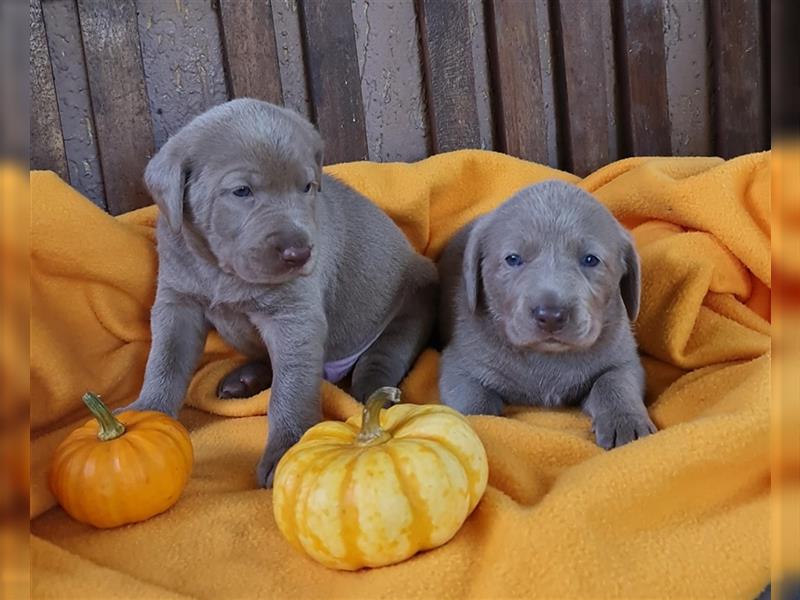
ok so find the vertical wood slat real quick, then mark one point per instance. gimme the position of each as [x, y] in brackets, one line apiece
[480, 66]
[688, 86]
[74, 102]
[549, 65]
[590, 102]
[182, 60]
[47, 143]
[248, 35]
[449, 75]
[289, 40]
[519, 97]
[644, 78]
[738, 70]
[116, 81]
[390, 70]
[332, 70]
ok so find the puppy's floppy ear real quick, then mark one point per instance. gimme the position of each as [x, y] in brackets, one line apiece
[165, 177]
[473, 256]
[630, 286]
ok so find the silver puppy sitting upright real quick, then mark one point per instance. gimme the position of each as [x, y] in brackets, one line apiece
[537, 300]
[293, 268]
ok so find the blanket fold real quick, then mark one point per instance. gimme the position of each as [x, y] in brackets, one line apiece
[683, 513]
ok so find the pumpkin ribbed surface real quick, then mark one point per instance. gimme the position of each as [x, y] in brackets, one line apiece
[123, 480]
[349, 505]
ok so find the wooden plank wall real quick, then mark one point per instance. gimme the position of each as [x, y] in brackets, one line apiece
[571, 83]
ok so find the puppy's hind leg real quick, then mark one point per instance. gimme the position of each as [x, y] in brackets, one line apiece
[392, 355]
[247, 380]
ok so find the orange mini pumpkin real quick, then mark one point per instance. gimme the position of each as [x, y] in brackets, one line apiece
[127, 469]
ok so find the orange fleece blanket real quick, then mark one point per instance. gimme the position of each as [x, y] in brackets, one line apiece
[683, 513]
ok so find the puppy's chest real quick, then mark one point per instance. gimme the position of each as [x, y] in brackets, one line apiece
[235, 328]
[537, 382]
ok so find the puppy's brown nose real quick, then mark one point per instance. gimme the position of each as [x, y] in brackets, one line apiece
[296, 256]
[550, 318]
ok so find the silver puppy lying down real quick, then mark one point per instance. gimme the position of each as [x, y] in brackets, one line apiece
[291, 267]
[537, 299]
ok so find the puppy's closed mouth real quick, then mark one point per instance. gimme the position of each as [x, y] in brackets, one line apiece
[552, 344]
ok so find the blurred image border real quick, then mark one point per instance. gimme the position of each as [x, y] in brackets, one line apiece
[15, 291]
[14, 301]
[785, 408]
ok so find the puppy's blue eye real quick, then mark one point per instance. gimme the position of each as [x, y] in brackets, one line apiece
[590, 260]
[513, 260]
[242, 191]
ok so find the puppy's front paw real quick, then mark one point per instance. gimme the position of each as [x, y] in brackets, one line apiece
[154, 404]
[265, 473]
[614, 429]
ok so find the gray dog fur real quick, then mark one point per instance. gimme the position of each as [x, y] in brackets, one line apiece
[222, 264]
[497, 351]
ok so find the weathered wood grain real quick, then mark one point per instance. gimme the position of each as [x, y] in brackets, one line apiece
[289, 41]
[480, 65]
[687, 77]
[74, 100]
[391, 79]
[738, 67]
[520, 106]
[570, 83]
[334, 83]
[644, 77]
[449, 74]
[589, 108]
[248, 34]
[116, 81]
[549, 66]
[182, 58]
[47, 143]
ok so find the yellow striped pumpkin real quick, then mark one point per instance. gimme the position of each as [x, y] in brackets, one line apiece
[353, 495]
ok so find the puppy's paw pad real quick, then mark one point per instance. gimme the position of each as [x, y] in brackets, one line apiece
[265, 473]
[615, 430]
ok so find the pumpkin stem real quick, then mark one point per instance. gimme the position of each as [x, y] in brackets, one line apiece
[110, 426]
[371, 432]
